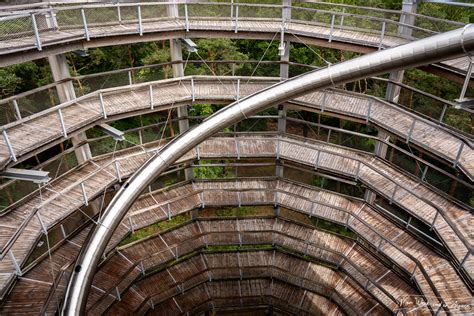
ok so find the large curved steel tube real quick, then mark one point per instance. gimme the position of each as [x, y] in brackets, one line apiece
[439, 47]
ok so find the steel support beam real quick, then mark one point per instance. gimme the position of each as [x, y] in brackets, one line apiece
[429, 50]
[111, 131]
[36, 176]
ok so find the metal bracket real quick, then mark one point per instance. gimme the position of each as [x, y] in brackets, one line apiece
[36, 176]
[111, 131]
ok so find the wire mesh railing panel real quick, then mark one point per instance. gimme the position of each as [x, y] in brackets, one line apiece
[16, 27]
[44, 22]
[97, 17]
[314, 17]
[15, 191]
[205, 10]
[150, 13]
[129, 14]
[260, 12]
[91, 84]
[8, 113]
[69, 19]
[38, 102]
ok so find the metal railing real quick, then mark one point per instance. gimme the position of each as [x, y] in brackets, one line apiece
[174, 250]
[63, 128]
[196, 237]
[81, 21]
[359, 162]
[349, 218]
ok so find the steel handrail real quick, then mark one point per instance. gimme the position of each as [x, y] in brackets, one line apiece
[279, 139]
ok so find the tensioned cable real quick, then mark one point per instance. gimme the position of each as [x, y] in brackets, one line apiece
[264, 53]
[49, 250]
[311, 49]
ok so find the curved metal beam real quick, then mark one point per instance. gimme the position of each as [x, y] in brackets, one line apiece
[429, 50]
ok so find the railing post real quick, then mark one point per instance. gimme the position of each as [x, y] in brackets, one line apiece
[17, 109]
[102, 106]
[458, 155]
[84, 21]
[131, 225]
[393, 193]
[119, 13]
[193, 97]
[278, 147]
[236, 21]
[332, 27]
[231, 9]
[237, 146]
[15, 263]
[411, 130]
[42, 224]
[412, 276]
[423, 175]
[130, 79]
[466, 81]
[84, 194]
[443, 112]
[434, 220]
[9, 145]
[186, 17]
[369, 110]
[117, 170]
[342, 16]
[140, 25]
[238, 90]
[36, 31]
[63, 126]
[316, 165]
[382, 34]
[324, 100]
[357, 172]
[152, 105]
[63, 231]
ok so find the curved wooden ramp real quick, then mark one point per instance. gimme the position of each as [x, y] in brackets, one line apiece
[42, 130]
[66, 31]
[58, 204]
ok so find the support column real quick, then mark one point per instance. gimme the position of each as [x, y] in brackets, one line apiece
[178, 71]
[409, 6]
[60, 71]
[393, 91]
[284, 74]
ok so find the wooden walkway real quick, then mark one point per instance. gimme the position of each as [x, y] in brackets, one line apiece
[35, 133]
[287, 270]
[74, 36]
[393, 242]
[65, 195]
[119, 270]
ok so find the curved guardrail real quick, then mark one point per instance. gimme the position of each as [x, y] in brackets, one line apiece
[446, 45]
[38, 27]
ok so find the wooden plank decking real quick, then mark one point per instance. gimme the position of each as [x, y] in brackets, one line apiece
[450, 285]
[74, 35]
[259, 264]
[57, 204]
[41, 130]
